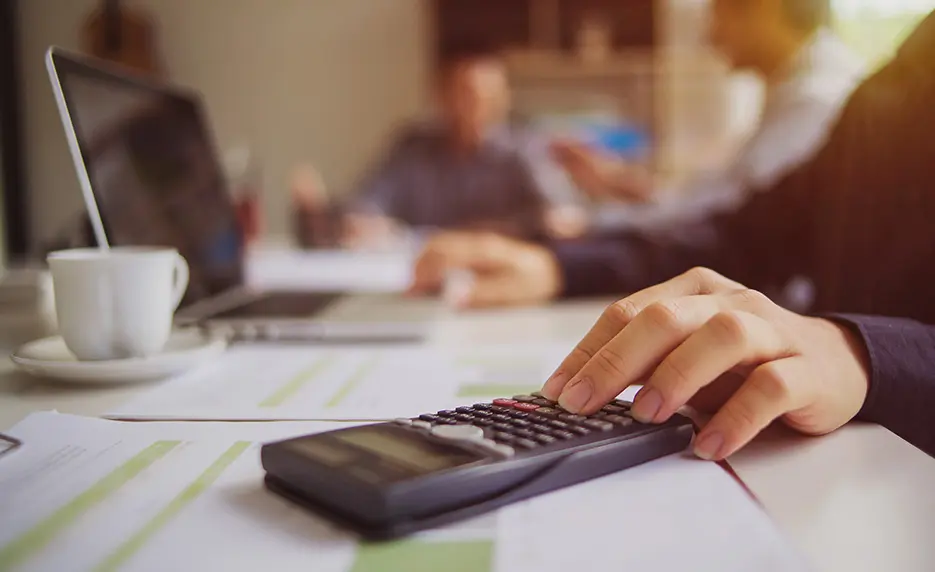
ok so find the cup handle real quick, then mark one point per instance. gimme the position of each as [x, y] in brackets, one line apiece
[181, 281]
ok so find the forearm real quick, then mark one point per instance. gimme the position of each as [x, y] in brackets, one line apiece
[901, 396]
[619, 264]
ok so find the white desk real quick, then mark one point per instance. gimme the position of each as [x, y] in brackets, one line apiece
[859, 500]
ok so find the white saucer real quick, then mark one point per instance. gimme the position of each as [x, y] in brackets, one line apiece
[50, 358]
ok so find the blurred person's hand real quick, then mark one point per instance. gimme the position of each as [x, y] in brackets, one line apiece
[504, 271]
[706, 341]
[566, 222]
[369, 232]
[602, 176]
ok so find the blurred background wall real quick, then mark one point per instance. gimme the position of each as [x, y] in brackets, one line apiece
[297, 80]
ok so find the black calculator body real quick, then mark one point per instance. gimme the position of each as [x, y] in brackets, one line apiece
[392, 479]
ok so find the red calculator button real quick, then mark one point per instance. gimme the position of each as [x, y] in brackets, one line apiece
[504, 402]
[525, 406]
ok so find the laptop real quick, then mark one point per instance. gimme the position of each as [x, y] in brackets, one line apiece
[150, 175]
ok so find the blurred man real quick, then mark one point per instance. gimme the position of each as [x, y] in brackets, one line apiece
[467, 168]
[808, 74]
[857, 220]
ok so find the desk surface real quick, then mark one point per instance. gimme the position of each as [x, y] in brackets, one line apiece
[860, 499]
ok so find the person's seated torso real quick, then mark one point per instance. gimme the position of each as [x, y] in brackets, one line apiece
[427, 183]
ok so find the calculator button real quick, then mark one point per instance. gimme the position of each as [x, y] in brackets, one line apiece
[429, 417]
[598, 424]
[579, 430]
[465, 410]
[526, 398]
[504, 402]
[520, 423]
[563, 435]
[482, 406]
[545, 439]
[446, 414]
[525, 444]
[422, 424]
[458, 432]
[543, 402]
[403, 421]
[464, 418]
[518, 414]
[504, 437]
[619, 420]
[502, 427]
[478, 413]
[623, 403]
[571, 418]
[483, 422]
[613, 409]
[501, 418]
[524, 433]
[502, 450]
[536, 394]
[526, 406]
[499, 409]
[557, 424]
[446, 421]
[548, 411]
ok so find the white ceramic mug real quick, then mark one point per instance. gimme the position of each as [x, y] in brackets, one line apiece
[117, 303]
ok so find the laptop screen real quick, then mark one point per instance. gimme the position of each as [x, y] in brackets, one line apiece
[154, 171]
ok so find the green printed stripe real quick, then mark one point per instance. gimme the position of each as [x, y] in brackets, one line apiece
[304, 377]
[42, 534]
[495, 390]
[363, 370]
[425, 556]
[126, 550]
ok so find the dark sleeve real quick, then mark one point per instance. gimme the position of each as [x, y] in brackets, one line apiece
[763, 244]
[771, 239]
[902, 377]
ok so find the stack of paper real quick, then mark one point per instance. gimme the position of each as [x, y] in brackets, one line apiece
[282, 383]
[85, 494]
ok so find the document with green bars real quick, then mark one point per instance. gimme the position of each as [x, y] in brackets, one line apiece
[89, 494]
[275, 383]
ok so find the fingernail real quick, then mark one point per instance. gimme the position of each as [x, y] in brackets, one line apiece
[647, 404]
[576, 395]
[707, 447]
[554, 386]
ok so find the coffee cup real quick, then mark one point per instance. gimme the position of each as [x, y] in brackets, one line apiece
[117, 303]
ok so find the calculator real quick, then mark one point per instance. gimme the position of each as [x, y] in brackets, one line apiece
[388, 480]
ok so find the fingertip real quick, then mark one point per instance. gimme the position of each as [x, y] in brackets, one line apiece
[710, 446]
[553, 386]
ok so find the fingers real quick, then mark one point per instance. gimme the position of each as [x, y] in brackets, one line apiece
[634, 353]
[468, 251]
[620, 314]
[767, 394]
[727, 340]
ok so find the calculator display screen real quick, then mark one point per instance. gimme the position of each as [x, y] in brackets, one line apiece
[411, 452]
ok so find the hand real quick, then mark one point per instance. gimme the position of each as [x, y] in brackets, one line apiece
[506, 271]
[369, 231]
[602, 176]
[704, 340]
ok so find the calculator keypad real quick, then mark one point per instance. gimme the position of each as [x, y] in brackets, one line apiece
[525, 422]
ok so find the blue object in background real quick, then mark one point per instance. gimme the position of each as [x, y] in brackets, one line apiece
[626, 141]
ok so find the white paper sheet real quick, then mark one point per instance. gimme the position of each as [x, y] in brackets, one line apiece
[286, 268]
[88, 494]
[295, 383]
